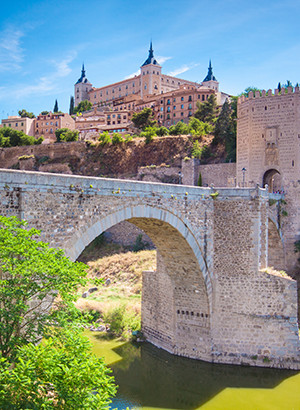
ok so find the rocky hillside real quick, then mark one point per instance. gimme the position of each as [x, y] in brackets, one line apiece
[121, 160]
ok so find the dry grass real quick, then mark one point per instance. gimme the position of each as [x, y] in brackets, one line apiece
[122, 272]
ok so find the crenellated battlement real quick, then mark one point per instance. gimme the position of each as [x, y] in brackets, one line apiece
[268, 94]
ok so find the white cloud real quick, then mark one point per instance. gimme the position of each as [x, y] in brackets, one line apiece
[11, 52]
[132, 75]
[62, 67]
[182, 69]
[163, 59]
[43, 85]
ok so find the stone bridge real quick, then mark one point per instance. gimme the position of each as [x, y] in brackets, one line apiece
[208, 298]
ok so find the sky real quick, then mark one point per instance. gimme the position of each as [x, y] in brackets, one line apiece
[44, 43]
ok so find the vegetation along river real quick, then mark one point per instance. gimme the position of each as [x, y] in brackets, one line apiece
[152, 378]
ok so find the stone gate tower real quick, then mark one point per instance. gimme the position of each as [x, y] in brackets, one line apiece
[268, 152]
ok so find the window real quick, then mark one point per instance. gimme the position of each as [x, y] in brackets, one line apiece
[182, 99]
[145, 87]
[190, 106]
[190, 113]
[119, 88]
[174, 99]
[203, 97]
[182, 106]
[168, 116]
[168, 102]
[174, 115]
[190, 98]
[198, 96]
[47, 123]
[22, 123]
[181, 114]
[161, 108]
[16, 124]
[113, 91]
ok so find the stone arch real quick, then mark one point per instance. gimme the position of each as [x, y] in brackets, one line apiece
[275, 247]
[177, 297]
[272, 178]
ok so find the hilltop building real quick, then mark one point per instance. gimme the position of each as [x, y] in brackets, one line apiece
[46, 125]
[148, 89]
[23, 124]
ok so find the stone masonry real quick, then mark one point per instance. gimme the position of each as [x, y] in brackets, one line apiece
[208, 298]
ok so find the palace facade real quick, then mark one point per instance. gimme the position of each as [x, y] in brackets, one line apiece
[152, 89]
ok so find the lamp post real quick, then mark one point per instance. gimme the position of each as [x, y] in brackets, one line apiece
[180, 177]
[244, 172]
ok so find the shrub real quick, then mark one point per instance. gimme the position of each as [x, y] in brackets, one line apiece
[200, 180]
[117, 139]
[22, 157]
[139, 245]
[161, 131]
[122, 321]
[104, 138]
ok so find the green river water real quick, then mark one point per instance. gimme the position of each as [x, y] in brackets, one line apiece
[152, 378]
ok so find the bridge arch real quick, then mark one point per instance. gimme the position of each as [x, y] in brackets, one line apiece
[177, 297]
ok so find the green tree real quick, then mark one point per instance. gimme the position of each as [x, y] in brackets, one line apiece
[55, 109]
[60, 372]
[225, 131]
[149, 133]
[197, 127]
[279, 87]
[71, 109]
[84, 105]
[44, 112]
[179, 129]
[25, 114]
[104, 138]
[251, 88]
[143, 119]
[207, 111]
[66, 135]
[162, 131]
[31, 274]
[13, 138]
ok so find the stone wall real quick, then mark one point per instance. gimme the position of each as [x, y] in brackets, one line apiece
[208, 298]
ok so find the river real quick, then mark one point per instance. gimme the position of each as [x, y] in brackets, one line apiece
[149, 378]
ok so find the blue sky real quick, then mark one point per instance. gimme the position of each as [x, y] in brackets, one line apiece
[43, 45]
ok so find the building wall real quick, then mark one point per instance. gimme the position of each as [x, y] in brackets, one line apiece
[25, 125]
[268, 140]
[46, 125]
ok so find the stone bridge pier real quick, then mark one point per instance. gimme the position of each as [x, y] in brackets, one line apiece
[208, 298]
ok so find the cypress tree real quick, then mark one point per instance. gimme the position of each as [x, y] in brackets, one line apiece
[71, 109]
[55, 109]
[279, 87]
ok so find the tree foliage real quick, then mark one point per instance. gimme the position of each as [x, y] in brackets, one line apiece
[84, 105]
[207, 111]
[25, 114]
[55, 109]
[66, 135]
[60, 372]
[143, 119]
[250, 88]
[44, 112]
[31, 274]
[71, 109]
[14, 138]
[225, 129]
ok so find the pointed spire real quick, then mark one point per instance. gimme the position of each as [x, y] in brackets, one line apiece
[82, 71]
[151, 59]
[210, 76]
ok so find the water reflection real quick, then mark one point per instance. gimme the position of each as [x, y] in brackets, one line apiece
[151, 377]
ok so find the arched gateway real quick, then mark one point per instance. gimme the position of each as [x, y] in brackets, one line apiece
[208, 298]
